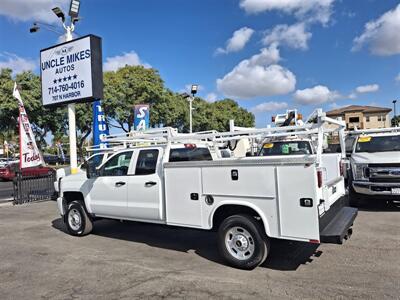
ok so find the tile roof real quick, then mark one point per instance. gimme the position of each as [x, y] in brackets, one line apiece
[358, 108]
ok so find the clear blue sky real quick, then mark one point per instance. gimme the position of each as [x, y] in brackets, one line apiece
[313, 53]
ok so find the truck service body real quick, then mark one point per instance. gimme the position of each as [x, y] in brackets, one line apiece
[248, 200]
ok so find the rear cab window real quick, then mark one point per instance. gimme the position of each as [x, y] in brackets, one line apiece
[190, 153]
[285, 148]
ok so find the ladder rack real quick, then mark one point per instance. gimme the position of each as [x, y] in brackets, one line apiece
[168, 135]
[374, 130]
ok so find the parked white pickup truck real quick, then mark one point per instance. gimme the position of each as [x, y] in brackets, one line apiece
[181, 182]
[375, 165]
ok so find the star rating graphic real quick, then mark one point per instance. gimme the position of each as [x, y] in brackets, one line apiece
[65, 78]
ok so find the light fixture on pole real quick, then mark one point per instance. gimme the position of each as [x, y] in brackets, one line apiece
[193, 91]
[394, 113]
[74, 10]
[37, 25]
[59, 13]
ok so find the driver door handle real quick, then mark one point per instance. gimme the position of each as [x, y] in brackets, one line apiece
[120, 183]
[150, 183]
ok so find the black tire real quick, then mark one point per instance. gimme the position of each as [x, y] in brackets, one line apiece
[355, 199]
[77, 220]
[249, 231]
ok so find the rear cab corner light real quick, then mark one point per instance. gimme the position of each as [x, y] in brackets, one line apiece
[319, 178]
[190, 146]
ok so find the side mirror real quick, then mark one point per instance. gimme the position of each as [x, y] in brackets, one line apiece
[91, 170]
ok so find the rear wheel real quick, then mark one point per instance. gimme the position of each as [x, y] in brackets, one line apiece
[77, 221]
[242, 243]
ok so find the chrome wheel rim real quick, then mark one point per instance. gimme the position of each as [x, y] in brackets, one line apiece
[239, 243]
[74, 219]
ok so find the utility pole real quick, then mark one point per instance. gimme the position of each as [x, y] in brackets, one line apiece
[394, 113]
[191, 98]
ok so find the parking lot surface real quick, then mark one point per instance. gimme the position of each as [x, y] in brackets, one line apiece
[6, 190]
[38, 260]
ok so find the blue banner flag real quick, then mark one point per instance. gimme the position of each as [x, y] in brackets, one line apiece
[142, 117]
[100, 129]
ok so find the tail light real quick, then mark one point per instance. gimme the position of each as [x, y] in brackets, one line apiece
[273, 119]
[319, 178]
[341, 167]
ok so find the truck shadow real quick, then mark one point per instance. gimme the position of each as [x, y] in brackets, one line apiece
[379, 205]
[284, 255]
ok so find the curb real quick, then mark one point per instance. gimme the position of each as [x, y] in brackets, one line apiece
[6, 202]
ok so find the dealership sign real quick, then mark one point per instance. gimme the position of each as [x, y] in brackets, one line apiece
[72, 71]
[142, 117]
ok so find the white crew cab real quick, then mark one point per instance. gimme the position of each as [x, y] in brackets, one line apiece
[249, 200]
[375, 165]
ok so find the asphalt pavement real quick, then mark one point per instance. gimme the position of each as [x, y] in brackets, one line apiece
[6, 191]
[135, 260]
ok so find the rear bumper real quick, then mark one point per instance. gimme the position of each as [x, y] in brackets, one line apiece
[335, 225]
[375, 188]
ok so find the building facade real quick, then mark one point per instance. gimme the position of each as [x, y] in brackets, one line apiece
[362, 117]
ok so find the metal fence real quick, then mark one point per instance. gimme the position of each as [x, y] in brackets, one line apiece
[33, 188]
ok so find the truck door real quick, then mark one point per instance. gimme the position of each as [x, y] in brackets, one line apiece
[108, 194]
[145, 186]
[297, 202]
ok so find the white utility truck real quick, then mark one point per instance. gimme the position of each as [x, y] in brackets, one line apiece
[180, 180]
[375, 165]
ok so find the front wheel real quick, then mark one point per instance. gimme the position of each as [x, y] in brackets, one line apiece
[77, 221]
[242, 243]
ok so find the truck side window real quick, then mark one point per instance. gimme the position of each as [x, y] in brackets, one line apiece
[189, 154]
[146, 162]
[118, 165]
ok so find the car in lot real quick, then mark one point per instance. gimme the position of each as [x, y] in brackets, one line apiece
[5, 161]
[375, 166]
[8, 172]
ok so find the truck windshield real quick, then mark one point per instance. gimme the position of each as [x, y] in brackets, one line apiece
[286, 148]
[378, 143]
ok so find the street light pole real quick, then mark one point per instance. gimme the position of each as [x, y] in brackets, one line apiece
[394, 113]
[71, 116]
[73, 13]
[191, 98]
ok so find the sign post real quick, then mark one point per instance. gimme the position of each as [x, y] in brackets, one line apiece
[72, 72]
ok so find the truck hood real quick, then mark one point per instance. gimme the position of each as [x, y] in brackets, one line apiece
[376, 157]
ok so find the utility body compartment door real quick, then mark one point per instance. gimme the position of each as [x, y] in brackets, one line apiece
[298, 202]
[183, 191]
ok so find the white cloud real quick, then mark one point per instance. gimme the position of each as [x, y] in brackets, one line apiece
[367, 88]
[310, 10]
[294, 36]
[238, 41]
[211, 97]
[381, 36]
[258, 76]
[316, 95]
[16, 63]
[35, 10]
[116, 62]
[397, 78]
[352, 95]
[269, 106]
